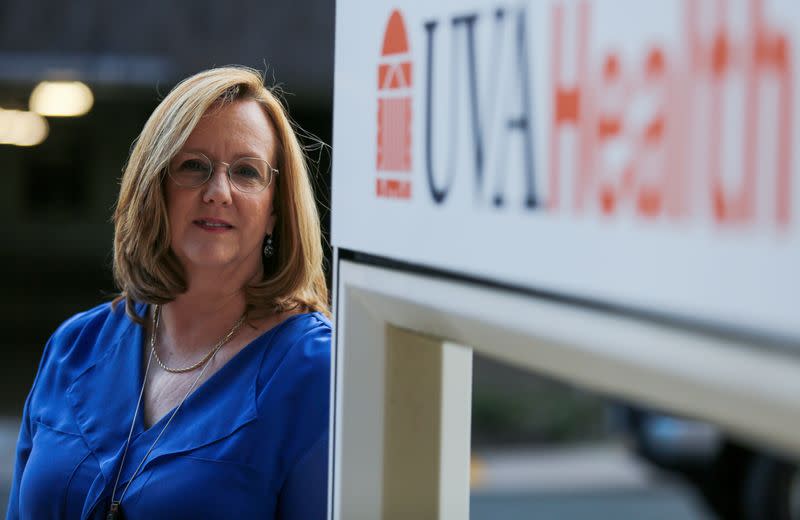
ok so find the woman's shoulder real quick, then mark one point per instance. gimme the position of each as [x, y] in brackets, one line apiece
[294, 381]
[304, 337]
[307, 325]
[76, 338]
[77, 322]
[97, 319]
[77, 344]
[298, 349]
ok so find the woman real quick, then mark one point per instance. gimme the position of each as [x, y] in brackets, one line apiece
[220, 333]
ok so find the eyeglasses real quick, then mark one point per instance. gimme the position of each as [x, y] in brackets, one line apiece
[246, 174]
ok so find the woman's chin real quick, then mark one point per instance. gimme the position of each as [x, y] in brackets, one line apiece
[224, 262]
[209, 260]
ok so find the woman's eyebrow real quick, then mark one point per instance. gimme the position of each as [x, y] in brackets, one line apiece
[247, 153]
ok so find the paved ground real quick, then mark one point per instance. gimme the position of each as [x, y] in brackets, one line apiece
[576, 483]
[649, 504]
[576, 467]
[573, 483]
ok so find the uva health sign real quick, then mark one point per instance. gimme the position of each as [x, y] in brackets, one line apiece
[640, 154]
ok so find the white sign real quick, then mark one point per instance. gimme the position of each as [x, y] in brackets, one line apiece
[640, 154]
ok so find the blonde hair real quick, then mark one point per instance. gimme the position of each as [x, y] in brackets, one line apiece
[145, 268]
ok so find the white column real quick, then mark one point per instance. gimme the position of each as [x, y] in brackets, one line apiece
[402, 421]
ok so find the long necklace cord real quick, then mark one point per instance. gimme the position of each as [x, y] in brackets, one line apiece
[135, 414]
[115, 504]
[152, 447]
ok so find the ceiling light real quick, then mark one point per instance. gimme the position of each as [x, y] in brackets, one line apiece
[61, 98]
[22, 128]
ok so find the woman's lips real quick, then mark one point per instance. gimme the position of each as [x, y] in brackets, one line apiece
[212, 225]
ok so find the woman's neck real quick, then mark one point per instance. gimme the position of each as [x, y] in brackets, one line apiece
[195, 320]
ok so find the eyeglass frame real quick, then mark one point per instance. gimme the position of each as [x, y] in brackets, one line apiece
[272, 171]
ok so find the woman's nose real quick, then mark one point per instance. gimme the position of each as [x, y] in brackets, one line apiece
[218, 188]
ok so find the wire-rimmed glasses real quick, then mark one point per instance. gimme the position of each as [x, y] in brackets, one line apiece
[246, 174]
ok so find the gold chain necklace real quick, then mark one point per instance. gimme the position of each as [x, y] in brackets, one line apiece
[115, 510]
[214, 349]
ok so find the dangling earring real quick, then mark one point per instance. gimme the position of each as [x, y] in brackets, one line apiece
[269, 249]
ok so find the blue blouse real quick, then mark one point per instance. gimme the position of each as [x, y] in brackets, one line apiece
[250, 442]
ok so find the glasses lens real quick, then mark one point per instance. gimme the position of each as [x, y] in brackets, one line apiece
[191, 170]
[251, 174]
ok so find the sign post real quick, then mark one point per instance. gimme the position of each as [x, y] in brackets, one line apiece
[614, 205]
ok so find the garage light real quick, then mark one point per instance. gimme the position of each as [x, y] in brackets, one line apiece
[22, 128]
[61, 98]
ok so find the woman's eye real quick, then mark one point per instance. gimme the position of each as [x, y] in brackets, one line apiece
[194, 165]
[247, 172]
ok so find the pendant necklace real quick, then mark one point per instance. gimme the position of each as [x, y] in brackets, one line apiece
[115, 510]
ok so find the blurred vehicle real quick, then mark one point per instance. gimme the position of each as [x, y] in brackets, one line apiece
[737, 481]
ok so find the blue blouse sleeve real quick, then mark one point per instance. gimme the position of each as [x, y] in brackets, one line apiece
[23, 451]
[24, 441]
[66, 332]
[305, 493]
